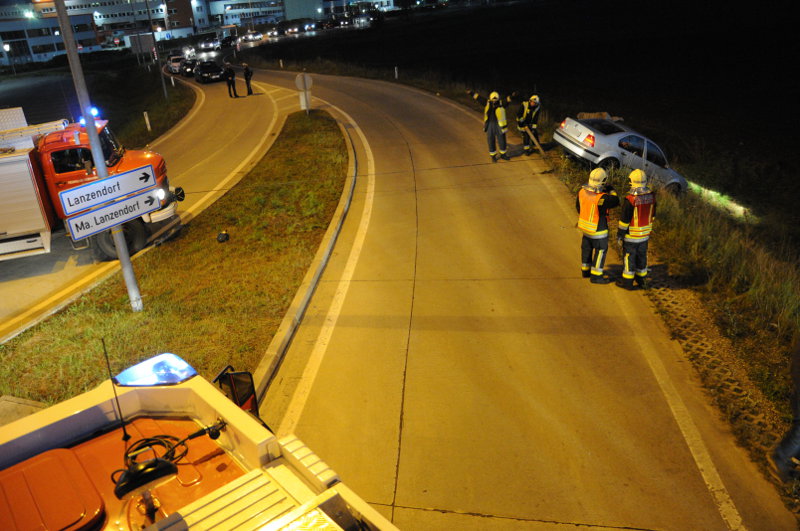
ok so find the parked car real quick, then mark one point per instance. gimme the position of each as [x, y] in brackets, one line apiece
[208, 71]
[188, 66]
[230, 40]
[210, 44]
[610, 144]
[174, 64]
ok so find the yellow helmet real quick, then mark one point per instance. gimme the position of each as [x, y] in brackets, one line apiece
[597, 178]
[638, 179]
[534, 99]
[494, 96]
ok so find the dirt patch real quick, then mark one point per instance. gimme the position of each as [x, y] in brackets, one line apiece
[756, 423]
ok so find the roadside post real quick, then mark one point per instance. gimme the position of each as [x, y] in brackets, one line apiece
[303, 83]
[96, 148]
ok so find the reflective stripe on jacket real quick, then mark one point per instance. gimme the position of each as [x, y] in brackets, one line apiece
[528, 115]
[499, 115]
[636, 218]
[590, 218]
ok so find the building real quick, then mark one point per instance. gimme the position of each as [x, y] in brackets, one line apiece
[31, 29]
[26, 37]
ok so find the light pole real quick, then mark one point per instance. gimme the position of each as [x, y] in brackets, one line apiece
[7, 48]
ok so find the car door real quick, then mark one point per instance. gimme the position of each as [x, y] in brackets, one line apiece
[655, 163]
[631, 150]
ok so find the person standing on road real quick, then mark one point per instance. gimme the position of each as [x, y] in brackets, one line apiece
[495, 123]
[248, 75]
[528, 119]
[594, 200]
[783, 458]
[230, 79]
[635, 225]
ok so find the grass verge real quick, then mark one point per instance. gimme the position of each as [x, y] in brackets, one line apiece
[211, 303]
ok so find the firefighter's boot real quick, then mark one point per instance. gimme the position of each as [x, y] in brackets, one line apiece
[626, 283]
[641, 281]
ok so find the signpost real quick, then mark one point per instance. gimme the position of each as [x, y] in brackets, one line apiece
[90, 223]
[303, 83]
[96, 193]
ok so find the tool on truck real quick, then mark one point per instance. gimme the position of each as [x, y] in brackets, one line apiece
[48, 182]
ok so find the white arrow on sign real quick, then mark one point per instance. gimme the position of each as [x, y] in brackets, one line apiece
[90, 223]
[96, 193]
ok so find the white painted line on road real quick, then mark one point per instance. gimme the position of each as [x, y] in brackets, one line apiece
[691, 435]
[202, 203]
[186, 119]
[303, 390]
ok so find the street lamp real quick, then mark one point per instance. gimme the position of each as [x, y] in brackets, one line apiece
[7, 48]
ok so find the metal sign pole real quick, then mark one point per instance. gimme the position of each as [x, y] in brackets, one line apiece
[97, 150]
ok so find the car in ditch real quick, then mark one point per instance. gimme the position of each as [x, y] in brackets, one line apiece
[208, 71]
[610, 144]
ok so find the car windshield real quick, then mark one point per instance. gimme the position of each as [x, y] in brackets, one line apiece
[112, 149]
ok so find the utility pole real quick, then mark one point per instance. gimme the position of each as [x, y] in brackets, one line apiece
[97, 150]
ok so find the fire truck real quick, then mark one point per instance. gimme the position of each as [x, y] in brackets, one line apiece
[48, 182]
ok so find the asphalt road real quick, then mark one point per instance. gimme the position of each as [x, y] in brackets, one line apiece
[458, 372]
[453, 367]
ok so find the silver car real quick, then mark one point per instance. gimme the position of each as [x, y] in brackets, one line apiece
[610, 144]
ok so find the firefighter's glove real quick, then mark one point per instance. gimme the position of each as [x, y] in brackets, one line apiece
[521, 125]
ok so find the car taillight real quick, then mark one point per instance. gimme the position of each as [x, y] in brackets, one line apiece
[589, 140]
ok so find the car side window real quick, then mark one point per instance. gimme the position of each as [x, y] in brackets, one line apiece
[655, 155]
[69, 160]
[633, 144]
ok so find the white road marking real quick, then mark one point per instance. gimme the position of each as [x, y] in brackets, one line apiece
[691, 435]
[206, 199]
[303, 390]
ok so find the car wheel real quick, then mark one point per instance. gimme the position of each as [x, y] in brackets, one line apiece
[674, 189]
[135, 236]
[609, 164]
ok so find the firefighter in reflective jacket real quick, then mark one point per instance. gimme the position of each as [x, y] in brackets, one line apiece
[593, 203]
[635, 225]
[528, 118]
[495, 123]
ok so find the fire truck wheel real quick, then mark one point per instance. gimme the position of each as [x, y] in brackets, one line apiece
[135, 236]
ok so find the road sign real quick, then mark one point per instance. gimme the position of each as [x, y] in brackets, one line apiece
[90, 223]
[303, 82]
[115, 186]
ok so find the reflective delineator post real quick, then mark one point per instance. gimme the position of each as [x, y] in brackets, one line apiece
[97, 151]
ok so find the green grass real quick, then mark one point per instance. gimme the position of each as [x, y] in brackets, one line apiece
[211, 303]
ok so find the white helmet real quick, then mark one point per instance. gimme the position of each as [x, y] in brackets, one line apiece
[638, 179]
[494, 96]
[534, 99]
[597, 178]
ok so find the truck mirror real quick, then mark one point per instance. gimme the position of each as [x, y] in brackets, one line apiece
[239, 387]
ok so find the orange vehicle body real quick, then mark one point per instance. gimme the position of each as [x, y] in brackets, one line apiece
[74, 137]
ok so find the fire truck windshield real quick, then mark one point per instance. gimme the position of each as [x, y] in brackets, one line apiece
[112, 149]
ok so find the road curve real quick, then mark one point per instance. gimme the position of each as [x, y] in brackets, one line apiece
[206, 153]
[458, 372]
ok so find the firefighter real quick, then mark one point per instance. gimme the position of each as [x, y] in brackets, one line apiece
[593, 203]
[635, 224]
[528, 118]
[495, 123]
